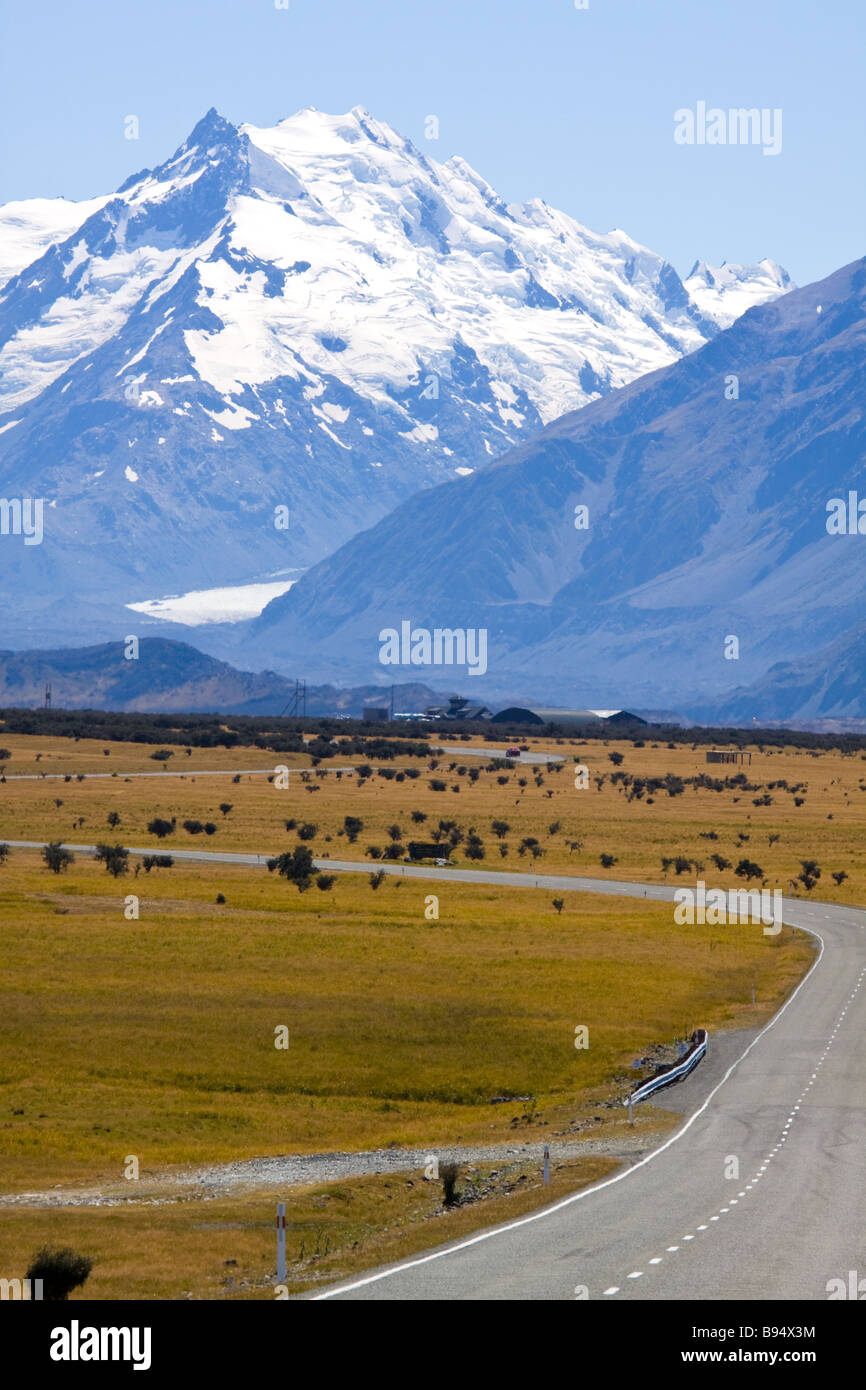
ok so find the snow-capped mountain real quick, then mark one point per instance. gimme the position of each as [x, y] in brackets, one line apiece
[711, 547]
[300, 325]
[28, 228]
[723, 293]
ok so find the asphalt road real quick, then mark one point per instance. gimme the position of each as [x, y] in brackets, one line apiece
[757, 1195]
[787, 1118]
[192, 773]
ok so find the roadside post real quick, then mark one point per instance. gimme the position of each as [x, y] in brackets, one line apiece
[546, 1165]
[281, 1241]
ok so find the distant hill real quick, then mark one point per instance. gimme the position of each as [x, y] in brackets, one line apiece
[826, 687]
[172, 676]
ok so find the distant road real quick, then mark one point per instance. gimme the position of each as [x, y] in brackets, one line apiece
[556, 882]
[261, 771]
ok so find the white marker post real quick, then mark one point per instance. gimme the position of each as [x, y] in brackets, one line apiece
[630, 1112]
[546, 1165]
[281, 1241]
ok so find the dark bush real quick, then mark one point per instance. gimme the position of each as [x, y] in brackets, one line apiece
[61, 1271]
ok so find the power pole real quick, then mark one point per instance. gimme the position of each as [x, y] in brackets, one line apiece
[47, 695]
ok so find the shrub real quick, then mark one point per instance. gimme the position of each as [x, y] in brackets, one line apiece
[220, 897]
[353, 827]
[436, 785]
[209, 828]
[193, 827]
[160, 828]
[162, 755]
[307, 832]
[156, 861]
[559, 904]
[4, 853]
[607, 860]
[449, 1172]
[113, 819]
[377, 878]
[61, 1271]
[500, 828]
[374, 851]
[225, 807]
[326, 882]
[114, 857]
[56, 857]
[419, 816]
[747, 869]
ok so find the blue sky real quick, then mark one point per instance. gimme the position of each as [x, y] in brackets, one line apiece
[543, 99]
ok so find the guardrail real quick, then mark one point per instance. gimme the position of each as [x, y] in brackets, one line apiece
[696, 1053]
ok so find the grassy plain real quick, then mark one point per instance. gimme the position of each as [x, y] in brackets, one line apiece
[155, 1037]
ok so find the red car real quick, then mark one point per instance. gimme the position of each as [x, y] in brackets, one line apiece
[512, 752]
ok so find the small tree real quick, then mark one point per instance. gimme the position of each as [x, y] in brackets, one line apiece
[377, 878]
[500, 828]
[353, 827]
[559, 904]
[114, 857]
[607, 860]
[297, 867]
[225, 807]
[113, 819]
[615, 758]
[61, 1271]
[56, 857]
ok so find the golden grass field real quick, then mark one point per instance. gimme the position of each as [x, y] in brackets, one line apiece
[830, 825]
[155, 1037]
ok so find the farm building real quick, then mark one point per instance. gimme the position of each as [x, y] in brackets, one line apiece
[569, 718]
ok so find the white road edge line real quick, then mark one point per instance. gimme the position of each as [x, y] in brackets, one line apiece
[588, 1191]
